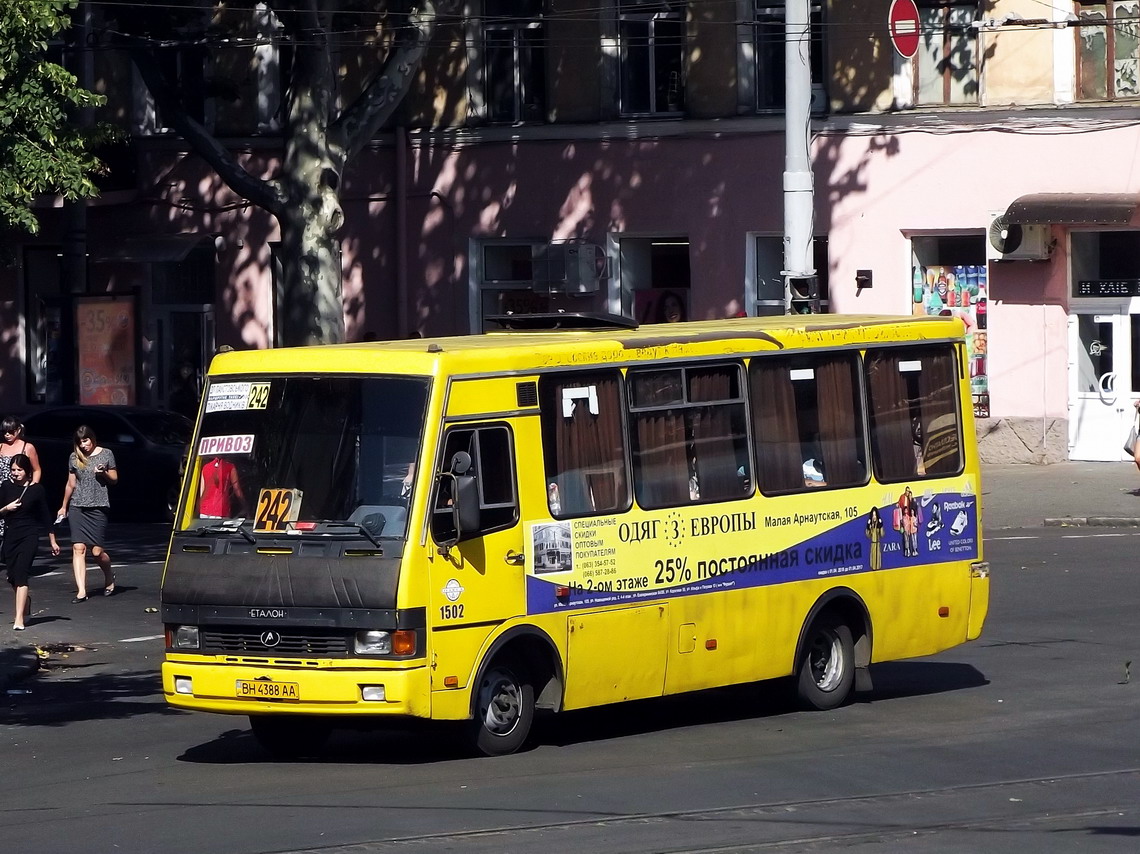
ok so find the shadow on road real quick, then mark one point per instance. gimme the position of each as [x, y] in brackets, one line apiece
[424, 742]
[71, 696]
[416, 743]
[917, 678]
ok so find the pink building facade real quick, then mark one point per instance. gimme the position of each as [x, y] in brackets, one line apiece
[452, 222]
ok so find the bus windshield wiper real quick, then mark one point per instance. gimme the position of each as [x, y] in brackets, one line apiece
[227, 526]
[329, 526]
[368, 535]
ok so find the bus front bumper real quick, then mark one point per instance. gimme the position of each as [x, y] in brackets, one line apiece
[327, 689]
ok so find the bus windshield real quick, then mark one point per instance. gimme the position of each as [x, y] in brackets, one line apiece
[279, 453]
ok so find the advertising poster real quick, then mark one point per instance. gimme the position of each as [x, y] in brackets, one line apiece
[605, 560]
[961, 292]
[105, 347]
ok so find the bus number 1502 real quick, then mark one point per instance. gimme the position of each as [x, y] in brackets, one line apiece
[450, 612]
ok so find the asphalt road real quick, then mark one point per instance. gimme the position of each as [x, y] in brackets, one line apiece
[1024, 740]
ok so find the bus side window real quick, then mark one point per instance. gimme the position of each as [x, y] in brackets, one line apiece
[916, 430]
[808, 417]
[720, 465]
[492, 463]
[583, 443]
[690, 435]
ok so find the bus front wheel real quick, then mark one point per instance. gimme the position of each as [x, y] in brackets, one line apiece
[504, 709]
[827, 670]
[290, 736]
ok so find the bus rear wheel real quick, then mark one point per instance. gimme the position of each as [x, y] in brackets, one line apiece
[290, 736]
[827, 670]
[504, 709]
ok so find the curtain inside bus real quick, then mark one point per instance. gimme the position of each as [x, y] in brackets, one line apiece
[585, 451]
[779, 458]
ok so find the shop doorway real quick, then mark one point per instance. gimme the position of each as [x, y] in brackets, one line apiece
[1104, 380]
[184, 346]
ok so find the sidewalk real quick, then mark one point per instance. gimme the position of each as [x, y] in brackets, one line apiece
[127, 543]
[1013, 496]
[1069, 493]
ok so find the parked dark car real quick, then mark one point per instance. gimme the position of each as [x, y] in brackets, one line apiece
[150, 448]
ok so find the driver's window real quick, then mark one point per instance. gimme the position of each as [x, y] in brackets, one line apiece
[492, 465]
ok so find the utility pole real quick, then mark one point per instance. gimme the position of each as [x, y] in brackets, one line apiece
[799, 266]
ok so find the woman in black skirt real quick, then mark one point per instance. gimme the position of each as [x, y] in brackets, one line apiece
[23, 506]
[86, 504]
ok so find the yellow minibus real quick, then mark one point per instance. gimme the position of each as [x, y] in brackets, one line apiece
[482, 528]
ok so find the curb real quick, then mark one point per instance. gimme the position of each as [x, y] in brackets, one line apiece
[16, 663]
[1094, 521]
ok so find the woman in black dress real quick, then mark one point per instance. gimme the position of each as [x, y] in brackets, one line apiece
[24, 509]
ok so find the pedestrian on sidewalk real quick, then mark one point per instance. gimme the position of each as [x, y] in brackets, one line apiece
[86, 504]
[1136, 447]
[24, 507]
[12, 442]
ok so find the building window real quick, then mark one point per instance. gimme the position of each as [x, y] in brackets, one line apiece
[651, 36]
[514, 61]
[946, 65]
[768, 291]
[1108, 42]
[508, 262]
[768, 41]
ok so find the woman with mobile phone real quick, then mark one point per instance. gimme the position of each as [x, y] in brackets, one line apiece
[24, 507]
[12, 442]
[86, 503]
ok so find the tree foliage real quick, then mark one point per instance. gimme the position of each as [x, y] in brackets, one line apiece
[42, 148]
[319, 135]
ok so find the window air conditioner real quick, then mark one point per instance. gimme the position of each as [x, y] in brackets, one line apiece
[1008, 241]
[568, 268]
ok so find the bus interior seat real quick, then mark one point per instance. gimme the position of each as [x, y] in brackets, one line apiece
[574, 492]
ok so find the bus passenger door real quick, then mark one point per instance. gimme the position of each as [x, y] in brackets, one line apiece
[476, 582]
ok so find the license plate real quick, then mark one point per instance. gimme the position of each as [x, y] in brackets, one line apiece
[261, 689]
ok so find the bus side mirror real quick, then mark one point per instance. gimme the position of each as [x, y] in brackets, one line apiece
[465, 495]
[465, 510]
[462, 493]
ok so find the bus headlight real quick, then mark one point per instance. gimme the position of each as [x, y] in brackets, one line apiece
[185, 637]
[373, 643]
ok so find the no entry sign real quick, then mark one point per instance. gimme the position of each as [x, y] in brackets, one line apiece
[902, 21]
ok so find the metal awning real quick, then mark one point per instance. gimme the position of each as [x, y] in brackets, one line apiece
[156, 249]
[1074, 209]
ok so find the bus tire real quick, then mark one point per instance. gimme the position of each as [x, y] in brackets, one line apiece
[290, 736]
[826, 673]
[504, 708]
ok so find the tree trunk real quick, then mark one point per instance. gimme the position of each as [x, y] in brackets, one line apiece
[311, 310]
[305, 197]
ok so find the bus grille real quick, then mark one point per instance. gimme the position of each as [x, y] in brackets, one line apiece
[287, 643]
